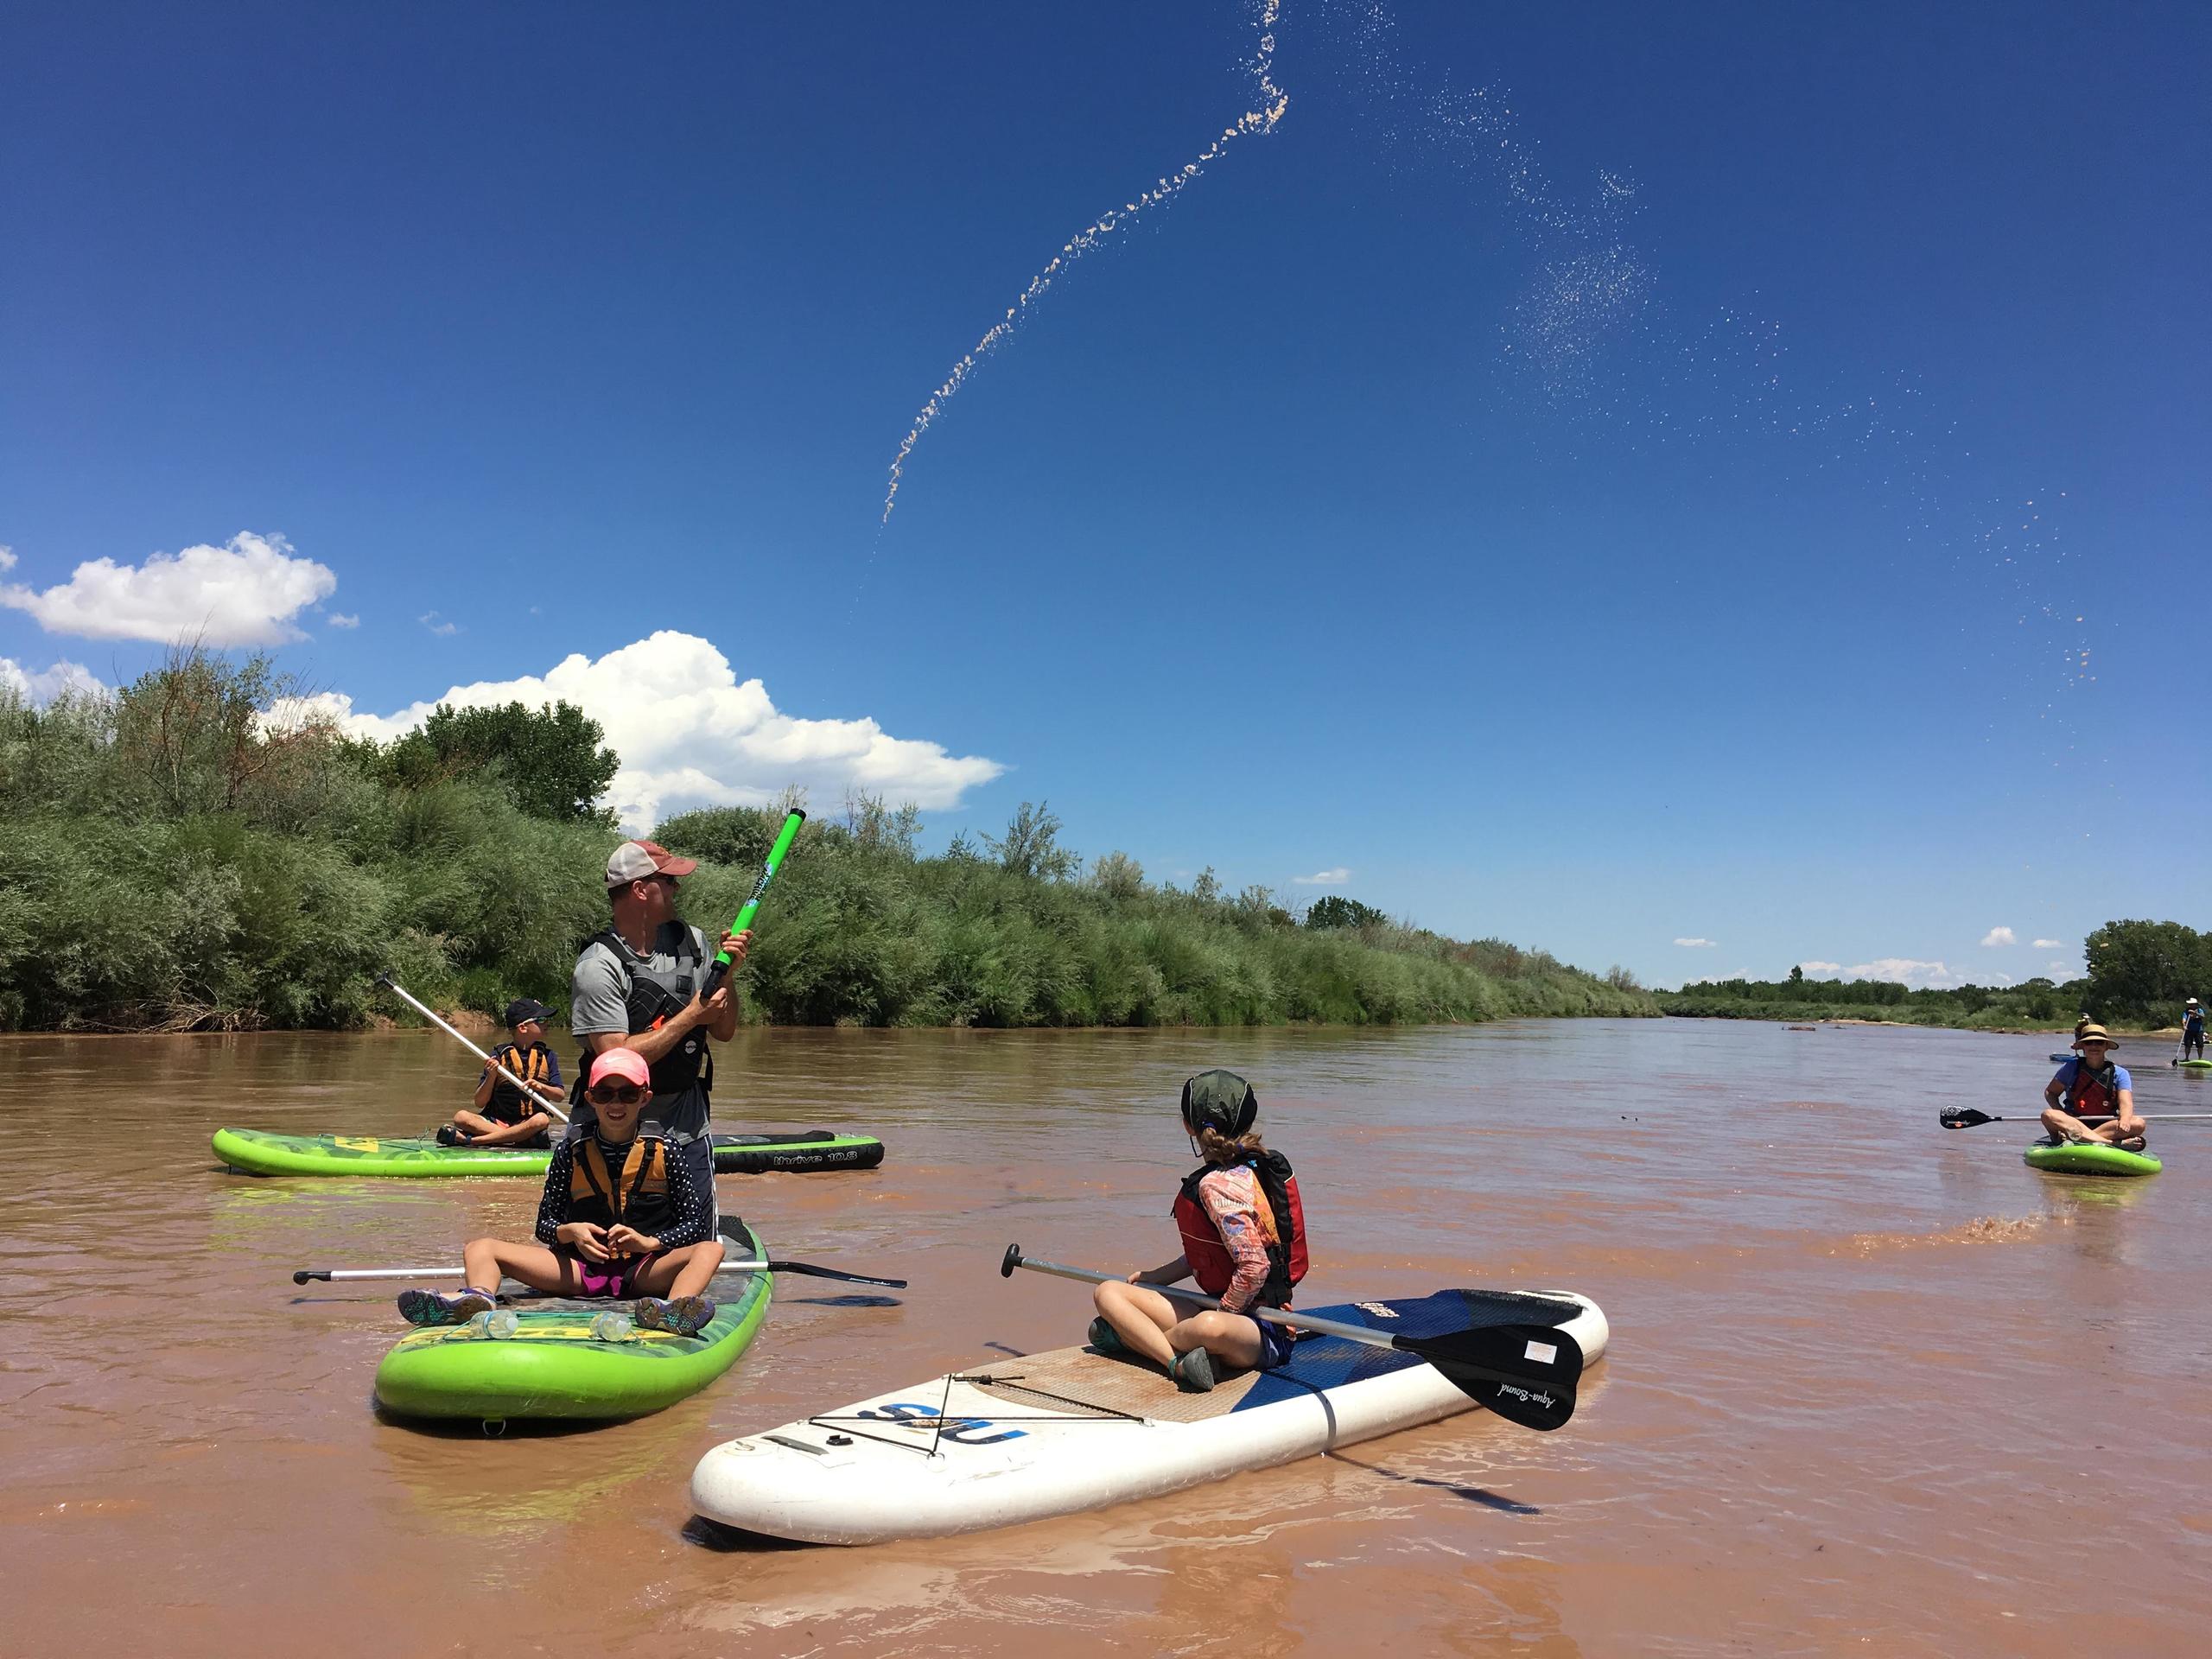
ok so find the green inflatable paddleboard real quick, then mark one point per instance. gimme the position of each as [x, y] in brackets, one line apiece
[2194, 1065]
[553, 1367]
[2090, 1158]
[419, 1157]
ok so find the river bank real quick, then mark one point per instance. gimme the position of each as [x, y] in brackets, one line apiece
[1823, 1421]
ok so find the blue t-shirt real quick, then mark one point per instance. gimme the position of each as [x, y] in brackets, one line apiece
[2072, 1069]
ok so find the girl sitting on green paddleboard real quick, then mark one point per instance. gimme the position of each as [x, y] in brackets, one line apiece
[2091, 1086]
[1243, 1233]
[620, 1218]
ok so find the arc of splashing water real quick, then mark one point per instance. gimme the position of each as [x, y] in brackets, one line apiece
[1272, 102]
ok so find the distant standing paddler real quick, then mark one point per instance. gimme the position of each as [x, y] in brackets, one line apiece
[637, 985]
[2091, 1086]
[2192, 1032]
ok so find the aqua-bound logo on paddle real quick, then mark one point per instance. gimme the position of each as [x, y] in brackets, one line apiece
[1380, 1310]
[1546, 1399]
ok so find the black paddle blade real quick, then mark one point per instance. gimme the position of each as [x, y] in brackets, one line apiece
[833, 1273]
[1965, 1117]
[1525, 1373]
[733, 1228]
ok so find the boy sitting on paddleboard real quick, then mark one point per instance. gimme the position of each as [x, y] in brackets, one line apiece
[503, 1117]
[621, 1217]
[2091, 1086]
[1243, 1239]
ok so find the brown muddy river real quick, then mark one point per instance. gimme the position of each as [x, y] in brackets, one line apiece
[1873, 1386]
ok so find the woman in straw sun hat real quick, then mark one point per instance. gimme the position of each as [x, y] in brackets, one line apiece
[2092, 1099]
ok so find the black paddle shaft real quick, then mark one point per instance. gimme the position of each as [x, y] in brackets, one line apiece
[1525, 1373]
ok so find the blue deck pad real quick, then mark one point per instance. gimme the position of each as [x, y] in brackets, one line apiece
[1320, 1362]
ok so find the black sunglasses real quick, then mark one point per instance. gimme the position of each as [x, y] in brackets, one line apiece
[627, 1094]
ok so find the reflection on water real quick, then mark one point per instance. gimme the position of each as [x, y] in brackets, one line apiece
[1831, 1421]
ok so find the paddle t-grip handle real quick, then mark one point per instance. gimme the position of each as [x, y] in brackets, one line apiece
[785, 836]
[1010, 1260]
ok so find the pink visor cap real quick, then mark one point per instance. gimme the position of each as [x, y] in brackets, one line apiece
[636, 860]
[624, 1063]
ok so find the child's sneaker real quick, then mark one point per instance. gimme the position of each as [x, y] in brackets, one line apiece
[684, 1316]
[452, 1135]
[435, 1308]
[1105, 1339]
[1193, 1372]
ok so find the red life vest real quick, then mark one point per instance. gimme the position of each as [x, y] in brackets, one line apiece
[2093, 1094]
[1210, 1263]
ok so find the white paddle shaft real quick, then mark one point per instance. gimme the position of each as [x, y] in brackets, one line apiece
[529, 1093]
[1272, 1315]
[355, 1275]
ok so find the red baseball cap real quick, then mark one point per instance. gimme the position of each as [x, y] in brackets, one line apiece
[634, 860]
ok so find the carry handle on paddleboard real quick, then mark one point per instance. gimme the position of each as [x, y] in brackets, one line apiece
[1525, 1373]
[385, 981]
[785, 836]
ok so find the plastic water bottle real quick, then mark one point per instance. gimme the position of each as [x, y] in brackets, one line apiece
[613, 1325]
[497, 1322]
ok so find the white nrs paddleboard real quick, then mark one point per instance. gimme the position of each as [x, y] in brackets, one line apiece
[1013, 1440]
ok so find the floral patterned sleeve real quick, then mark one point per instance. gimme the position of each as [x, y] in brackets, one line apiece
[1231, 1198]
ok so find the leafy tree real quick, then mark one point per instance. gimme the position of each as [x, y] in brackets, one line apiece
[737, 835]
[878, 828]
[1333, 911]
[2145, 969]
[550, 759]
[1118, 876]
[1031, 845]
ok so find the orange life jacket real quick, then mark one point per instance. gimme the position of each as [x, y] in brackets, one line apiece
[638, 1197]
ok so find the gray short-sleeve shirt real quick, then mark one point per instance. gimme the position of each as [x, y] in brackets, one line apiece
[600, 988]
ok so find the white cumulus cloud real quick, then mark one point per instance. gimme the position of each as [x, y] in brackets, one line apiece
[7, 558]
[1997, 936]
[1820, 970]
[340, 620]
[39, 686]
[2060, 969]
[1700, 944]
[2050, 944]
[244, 593]
[690, 734]
[1322, 878]
[1904, 970]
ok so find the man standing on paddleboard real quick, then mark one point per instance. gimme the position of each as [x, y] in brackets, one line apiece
[2192, 1031]
[2089, 1086]
[637, 986]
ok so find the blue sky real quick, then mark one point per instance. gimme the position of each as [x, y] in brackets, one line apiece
[1599, 476]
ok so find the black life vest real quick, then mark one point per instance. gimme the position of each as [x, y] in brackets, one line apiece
[533, 1064]
[2093, 1094]
[1210, 1263]
[685, 1071]
[637, 1196]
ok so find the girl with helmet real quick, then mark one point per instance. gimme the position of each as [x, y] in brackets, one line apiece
[1243, 1231]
